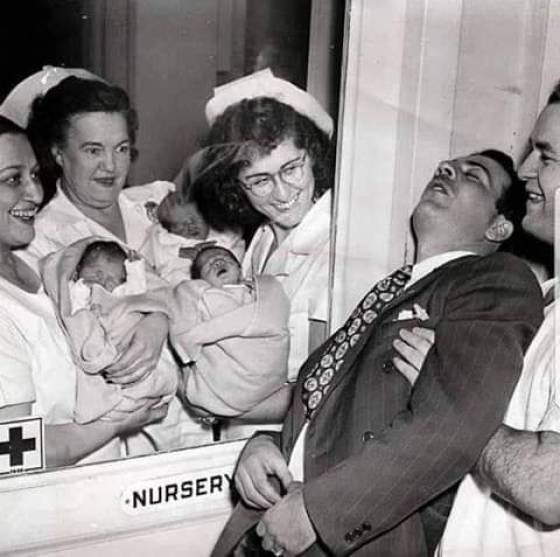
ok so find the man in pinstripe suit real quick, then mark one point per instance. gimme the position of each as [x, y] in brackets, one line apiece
[364, 467]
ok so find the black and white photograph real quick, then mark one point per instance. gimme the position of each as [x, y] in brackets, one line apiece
[278, 278]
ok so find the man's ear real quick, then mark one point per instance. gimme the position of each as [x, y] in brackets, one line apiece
[500, 230]
[57, 154]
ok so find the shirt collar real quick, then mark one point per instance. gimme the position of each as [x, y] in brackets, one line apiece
[75, 216]
[312, 229]
[425, 267]
[65, 205]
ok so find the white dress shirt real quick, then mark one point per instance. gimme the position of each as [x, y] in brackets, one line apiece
[479, 524]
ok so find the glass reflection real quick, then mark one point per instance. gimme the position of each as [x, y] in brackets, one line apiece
[87, 181]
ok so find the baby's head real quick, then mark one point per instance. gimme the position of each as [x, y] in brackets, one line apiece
[103, 263]
[182, 217]
[216, 265]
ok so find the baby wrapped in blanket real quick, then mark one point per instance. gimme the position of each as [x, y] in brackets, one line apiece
[231, 334]
[101, 294]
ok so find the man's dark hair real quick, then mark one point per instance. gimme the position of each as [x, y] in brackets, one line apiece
[511, 202]
[51, 113]
[109, 249]
[260, 124]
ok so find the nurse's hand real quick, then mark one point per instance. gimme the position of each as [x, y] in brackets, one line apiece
[143, 352]
[146, 413]
[259, 468]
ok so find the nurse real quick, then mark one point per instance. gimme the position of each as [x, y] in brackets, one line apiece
[84, 132]
[37, 373]
[279, 183]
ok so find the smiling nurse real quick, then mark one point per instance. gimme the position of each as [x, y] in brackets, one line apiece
[37, 373]
[84, 132]
[278, 181]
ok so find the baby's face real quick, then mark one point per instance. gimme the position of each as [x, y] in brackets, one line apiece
[185, 220]
[218, 268]
[108, 272]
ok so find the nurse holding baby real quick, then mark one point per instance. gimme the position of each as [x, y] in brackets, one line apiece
[37, 371]
[268, 160]
[84, 131]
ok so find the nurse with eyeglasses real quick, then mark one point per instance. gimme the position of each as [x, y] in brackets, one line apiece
[278, 182]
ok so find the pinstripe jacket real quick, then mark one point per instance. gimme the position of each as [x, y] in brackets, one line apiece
[380, 456]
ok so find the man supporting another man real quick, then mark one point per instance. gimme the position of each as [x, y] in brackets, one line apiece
[373, 455]
[522, 467]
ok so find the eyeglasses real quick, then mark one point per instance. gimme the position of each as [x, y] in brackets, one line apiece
[292, 174]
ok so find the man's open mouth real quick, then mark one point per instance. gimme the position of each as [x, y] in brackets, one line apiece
[440, 186]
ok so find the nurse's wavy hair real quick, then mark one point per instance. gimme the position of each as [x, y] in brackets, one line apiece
[554, 96]
[50, 116]
[255, 127]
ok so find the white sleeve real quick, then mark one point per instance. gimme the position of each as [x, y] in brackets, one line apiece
[16, 376]
[319, 288]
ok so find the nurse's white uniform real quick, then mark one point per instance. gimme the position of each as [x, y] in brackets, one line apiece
[36, 364]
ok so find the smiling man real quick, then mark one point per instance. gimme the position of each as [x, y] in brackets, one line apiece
[521, 467]
[365, 463]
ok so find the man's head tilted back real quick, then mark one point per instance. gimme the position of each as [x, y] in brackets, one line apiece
[471, 203]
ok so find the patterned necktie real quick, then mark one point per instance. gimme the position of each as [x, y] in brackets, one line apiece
[336, 350]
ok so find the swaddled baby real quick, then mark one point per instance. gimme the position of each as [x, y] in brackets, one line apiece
[230, 333]
[105, 264]
[102, 293]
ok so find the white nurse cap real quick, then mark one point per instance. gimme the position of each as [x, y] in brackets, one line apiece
[264, 84]
[17, 105]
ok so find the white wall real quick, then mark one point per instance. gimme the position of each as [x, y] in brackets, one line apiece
[428, 80]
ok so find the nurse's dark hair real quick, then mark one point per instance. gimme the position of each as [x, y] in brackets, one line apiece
[554, 96]
[7, 126]
[259, 124]
[51, 115]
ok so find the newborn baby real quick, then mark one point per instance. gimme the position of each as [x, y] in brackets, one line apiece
[217, 266]
[182, 218]
[102, 294]
[231, 335]
[102, 263]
